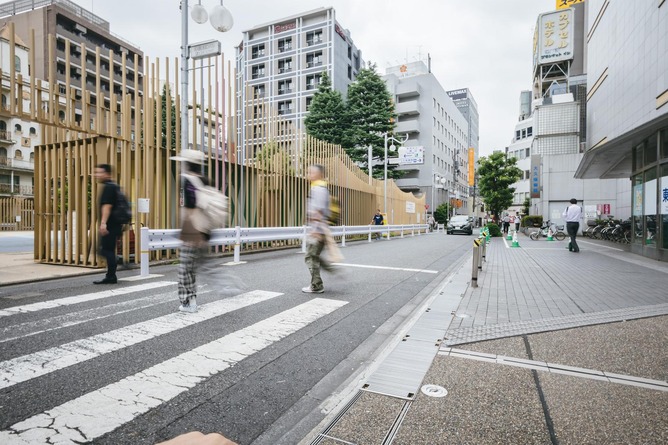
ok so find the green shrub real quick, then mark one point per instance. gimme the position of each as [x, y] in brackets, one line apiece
[494, 229]
[532, 221]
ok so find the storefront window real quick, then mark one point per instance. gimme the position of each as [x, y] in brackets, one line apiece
[663, 200]
[650, 207]
[638, 221]
[650, 149]
[638, 157]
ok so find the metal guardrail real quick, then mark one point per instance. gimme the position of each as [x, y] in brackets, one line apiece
[161, 239]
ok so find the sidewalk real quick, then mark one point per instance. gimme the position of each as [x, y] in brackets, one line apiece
[553, 347]
[17, 264]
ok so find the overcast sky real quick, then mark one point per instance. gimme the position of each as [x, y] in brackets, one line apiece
[485, 45]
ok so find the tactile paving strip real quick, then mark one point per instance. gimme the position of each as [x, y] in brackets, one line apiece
[501, 330]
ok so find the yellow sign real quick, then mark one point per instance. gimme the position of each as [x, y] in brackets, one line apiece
[471, 166]
[562, 4]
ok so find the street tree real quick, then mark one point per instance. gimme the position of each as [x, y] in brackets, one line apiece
[497, 174]
[326, 119]
[370, 113]
[442, 213]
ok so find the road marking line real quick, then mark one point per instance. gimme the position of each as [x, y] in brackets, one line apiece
[363, 266]
[82, 298]
[102, 411]
[659, 385]
[27, 367]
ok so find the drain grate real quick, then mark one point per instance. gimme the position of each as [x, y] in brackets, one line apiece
[434, 391]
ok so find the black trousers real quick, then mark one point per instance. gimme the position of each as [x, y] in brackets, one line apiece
[108, 251]
[572, 229]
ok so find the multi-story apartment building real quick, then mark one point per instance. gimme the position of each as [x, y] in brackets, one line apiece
[438, 135]
[520, 149]
[627, 113]
[17, 137]
[282, 63]
[86, 31]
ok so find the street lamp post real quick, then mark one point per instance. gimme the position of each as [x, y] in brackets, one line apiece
[392, 148]
[221, 20]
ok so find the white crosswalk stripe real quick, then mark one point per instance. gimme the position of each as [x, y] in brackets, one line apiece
[30, 366]
[101, 411]
[83, 298]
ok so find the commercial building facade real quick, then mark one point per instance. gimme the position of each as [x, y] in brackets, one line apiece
[120, 62]
[434, 125]
[281, 64]
[627, 112]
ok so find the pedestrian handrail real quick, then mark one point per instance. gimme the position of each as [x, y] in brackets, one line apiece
[161, 239]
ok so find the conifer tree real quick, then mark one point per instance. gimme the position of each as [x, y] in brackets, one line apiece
[326, 116]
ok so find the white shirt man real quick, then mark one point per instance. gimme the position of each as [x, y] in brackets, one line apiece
[572, 215]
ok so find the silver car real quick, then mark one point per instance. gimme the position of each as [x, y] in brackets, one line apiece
[460, 224]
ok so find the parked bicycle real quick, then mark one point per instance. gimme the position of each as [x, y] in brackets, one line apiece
[557, 231]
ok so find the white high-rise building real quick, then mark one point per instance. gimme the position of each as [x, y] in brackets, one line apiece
[282, 62]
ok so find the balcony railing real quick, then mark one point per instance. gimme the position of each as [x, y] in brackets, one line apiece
[16, 163]
[312, 63]
[9, 189]
[285, 111]
[5, 135]
[284, 90]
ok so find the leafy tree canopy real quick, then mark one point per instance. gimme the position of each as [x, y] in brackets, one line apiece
[326, 119]
[496, 174]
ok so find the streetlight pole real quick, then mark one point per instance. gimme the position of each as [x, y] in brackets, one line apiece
[392, 148]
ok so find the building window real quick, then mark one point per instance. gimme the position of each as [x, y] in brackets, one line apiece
[350, 72]
[17, 64]
[529, 131]
[312, 81]
[314, 59]
[314, 37]
[524, 133]
[258, 51]
[285, 44]
[258, 91]
[285, 65]
[517, 134]
[17, 128]
[285, 86]
[258, 71]
[18, 155]
[309, 100]
[527, 174]
[350, 52]
[285, 107]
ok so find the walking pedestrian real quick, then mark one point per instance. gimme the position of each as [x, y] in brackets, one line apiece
[572, 215]
[317, 209]
[110, 229]
[194, 242]
[506, 223]
[377, 220]
[517, 222]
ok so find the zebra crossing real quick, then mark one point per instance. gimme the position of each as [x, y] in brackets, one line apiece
[88, 416]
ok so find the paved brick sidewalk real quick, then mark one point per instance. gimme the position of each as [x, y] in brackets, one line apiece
[553, 347]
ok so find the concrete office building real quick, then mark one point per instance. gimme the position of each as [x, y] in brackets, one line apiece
[438, 133]
[282, 63]
[66, 20]
[520, 149]
[627, 112]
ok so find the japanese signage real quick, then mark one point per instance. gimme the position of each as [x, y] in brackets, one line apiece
[287, 26]
[663, 196]
[410, 207]
[553, 39]
[340, 32]
[535, 176]
[563, 4]
[650, 197]
[591, 212]
[471, 166]
[411, 155]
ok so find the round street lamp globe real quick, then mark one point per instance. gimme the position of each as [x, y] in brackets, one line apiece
[199, 13]
[221, 18]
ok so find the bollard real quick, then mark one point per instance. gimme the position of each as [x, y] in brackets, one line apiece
[484, 249]
[474, 271]
[237, 245]
[481, 248]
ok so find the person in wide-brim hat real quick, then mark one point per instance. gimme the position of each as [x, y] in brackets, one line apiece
[188, 155]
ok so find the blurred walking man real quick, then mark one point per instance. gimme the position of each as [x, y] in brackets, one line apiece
[573, 215]
[109, 229]
[317, 208]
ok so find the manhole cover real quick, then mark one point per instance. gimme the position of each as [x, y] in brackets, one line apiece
[434, 391]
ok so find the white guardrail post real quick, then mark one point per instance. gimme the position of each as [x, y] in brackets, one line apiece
[305, 228]
[237, 245]
[144, 251]
[343, 237]
[370, 233]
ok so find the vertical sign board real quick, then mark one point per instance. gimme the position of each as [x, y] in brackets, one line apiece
[471, 166]
[553, 38]
[535, 176]
[663, 198]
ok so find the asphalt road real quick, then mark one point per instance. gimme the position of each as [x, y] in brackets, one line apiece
[255, 363]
